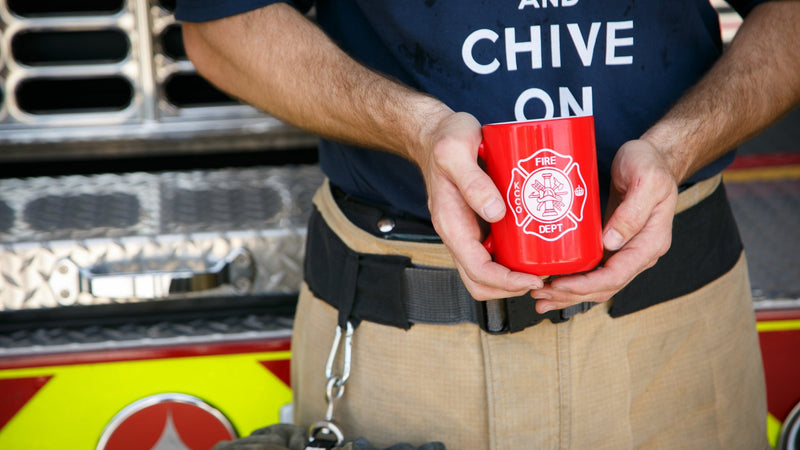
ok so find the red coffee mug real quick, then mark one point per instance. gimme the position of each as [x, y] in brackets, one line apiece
[547, 171]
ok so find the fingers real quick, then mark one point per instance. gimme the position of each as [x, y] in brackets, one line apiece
[486, 280]
[456, 224]
[640, 253]
[642, 183]
[478, 279]
[639, 230]
[458, 189]
[455, 156]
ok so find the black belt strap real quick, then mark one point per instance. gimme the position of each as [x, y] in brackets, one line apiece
[389, 290]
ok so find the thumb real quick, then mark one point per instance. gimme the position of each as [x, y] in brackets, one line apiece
[455, 155]
[629, 217]
[642, 186]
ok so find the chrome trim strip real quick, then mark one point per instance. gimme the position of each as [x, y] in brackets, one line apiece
[217, 338]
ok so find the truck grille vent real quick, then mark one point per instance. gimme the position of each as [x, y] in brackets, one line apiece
[172, 43]
[44, 48]
[187, 89]
[34, 8]
[86, 94]
[168, 5]
[95, 71]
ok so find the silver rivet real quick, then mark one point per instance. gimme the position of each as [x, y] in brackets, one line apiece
[386, 225]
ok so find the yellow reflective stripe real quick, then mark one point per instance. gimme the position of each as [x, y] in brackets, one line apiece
[778, 325]
[773, 430]
[748, 175]
[73, 408]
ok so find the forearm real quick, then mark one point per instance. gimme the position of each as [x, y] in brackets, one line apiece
[278, 61]
[756, 81]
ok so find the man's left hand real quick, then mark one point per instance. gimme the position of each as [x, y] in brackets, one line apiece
[642, 203]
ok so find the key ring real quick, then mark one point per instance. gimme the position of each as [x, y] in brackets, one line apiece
[322, 430]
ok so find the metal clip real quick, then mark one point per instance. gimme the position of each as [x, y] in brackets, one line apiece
[327, 430]
[348, 351]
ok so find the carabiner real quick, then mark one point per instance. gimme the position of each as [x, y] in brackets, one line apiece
[348, 351]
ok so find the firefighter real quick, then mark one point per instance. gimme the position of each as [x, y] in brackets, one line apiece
[656, 347]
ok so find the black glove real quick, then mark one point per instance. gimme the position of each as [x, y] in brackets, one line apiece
[292, 437]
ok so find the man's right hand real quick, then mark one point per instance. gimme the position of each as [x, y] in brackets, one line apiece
[460, 194]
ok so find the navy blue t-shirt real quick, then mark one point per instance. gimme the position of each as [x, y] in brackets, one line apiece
[622, 61]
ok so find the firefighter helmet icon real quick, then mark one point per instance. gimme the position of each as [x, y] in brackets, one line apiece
[547, 194]
[549, 190]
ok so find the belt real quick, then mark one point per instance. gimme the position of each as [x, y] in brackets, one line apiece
[391, 290]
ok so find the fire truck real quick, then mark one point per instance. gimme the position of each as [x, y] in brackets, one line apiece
[152, 233]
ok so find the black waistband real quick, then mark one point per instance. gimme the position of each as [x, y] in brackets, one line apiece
[388, 289]
[705, 245]
[383, 221]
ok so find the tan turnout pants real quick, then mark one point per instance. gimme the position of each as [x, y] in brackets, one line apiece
[684, 374]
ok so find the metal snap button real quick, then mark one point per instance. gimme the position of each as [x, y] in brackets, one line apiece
[386, 225]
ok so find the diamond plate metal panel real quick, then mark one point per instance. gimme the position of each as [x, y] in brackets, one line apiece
[152, 223]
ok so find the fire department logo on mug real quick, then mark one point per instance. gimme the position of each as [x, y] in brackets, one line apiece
[547, 194]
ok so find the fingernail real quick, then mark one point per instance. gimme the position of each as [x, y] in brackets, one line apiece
[545, 306]
[612, 239]
[493, 208]
[536, 283]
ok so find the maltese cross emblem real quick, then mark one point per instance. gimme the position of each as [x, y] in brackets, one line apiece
[547, 194]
